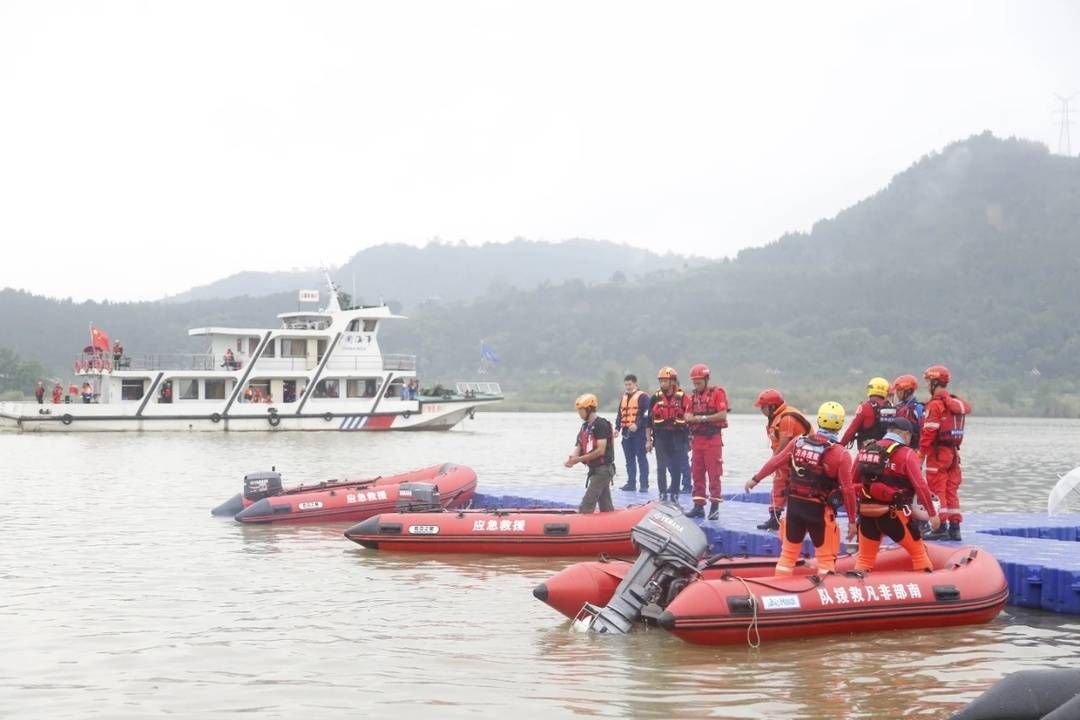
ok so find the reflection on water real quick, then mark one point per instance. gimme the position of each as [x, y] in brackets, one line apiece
[122, 597]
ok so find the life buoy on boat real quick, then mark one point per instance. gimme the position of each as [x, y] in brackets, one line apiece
[407, 414]
[273, 419]
[66, 418]
[215, 417]
[328, 416]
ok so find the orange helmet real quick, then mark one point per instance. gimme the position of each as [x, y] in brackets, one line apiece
[938, 374]
[588, 400]
[667, 373]
[906, 382]
[769, 397]
[700, 372]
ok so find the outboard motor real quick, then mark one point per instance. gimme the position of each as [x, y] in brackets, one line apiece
[259, 485]
[418, 497]
[670, 547]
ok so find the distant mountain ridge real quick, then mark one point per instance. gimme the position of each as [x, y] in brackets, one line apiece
[450, 272]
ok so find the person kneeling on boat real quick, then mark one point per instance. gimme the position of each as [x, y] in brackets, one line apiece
[892, 479]
[595, 450]
[820, 467]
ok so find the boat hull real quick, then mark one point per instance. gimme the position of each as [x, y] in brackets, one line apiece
[502, 532]
[354, 500]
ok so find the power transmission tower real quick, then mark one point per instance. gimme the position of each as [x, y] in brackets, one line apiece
[1064, 135]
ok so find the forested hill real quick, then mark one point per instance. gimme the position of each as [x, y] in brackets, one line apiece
[451, 272]
[970, 257]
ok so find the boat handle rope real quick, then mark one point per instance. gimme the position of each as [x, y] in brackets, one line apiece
[815, 580]
[755, 643]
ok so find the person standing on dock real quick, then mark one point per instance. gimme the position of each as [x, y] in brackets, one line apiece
[630, 423]
[891, 478]
[820, 467]
[783, 424]
[707, 419]
[39, 392]
[942, 433]
[873, 417]
[668, 433]
[595, 450]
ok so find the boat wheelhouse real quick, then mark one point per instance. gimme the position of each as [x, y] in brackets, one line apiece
[319, 370]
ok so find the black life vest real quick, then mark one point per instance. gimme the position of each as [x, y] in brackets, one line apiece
[884, 414]
[808, 479]
[882, 481]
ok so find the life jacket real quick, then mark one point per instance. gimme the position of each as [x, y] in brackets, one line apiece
[882, 481]
[668, 412]
[884, 414]
[914, 411]
[706, 403]
[587, 437]
[808, 479]
[629, 405]
[773, 426]
[951, 430]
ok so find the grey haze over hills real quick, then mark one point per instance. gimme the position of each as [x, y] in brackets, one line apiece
[450, 272]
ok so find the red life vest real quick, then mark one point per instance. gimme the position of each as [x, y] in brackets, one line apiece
[951, 430]
[884, 414]
[808, 479]
[883, 483]
[628, 408]
[707, 403]
[668, 412]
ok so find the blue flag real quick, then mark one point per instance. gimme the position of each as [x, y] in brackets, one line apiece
[486, 353]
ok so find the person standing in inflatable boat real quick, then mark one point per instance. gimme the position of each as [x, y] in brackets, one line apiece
[819, 466]
[595, 449]
[892, 479]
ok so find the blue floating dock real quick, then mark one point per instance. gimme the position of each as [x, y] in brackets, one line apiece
[1039, 554]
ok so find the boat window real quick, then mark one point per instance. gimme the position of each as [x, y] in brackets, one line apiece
[293, 347]
[321, 350]
[258, 391]
[361, 387]
[369, 325]
[271, 348]
[189, 389]
[215, 389]
[132, 389]
[394, 391]
[354, 326]
[165, 393]
[253, 345]
[239, 345]
[288, 391]
[327, 389]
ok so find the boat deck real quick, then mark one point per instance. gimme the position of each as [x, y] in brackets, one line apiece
[1039, 554]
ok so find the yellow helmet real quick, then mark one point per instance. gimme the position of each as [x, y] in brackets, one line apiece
[877, 386]
[588, 400]
[830, 416]
[667, 373]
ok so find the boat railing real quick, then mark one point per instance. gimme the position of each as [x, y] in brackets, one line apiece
[399, 362]
[478, 389]
[200, 362]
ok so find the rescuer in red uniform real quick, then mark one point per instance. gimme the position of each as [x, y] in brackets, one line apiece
[939, 445]
[891, 477]
[782, 425]
[820, 467]
[706, 418]
[873, 416]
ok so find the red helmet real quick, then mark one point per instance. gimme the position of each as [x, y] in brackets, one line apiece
[699, 372]
[906, 382]
[769, 397]
[938, 374]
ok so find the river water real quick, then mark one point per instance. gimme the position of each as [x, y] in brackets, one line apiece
[121, 597]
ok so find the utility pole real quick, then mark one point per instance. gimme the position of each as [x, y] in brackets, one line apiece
[1064, 134]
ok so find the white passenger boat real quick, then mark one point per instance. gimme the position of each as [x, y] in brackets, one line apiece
[320, 370]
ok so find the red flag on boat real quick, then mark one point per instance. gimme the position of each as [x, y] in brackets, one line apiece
[98, 339]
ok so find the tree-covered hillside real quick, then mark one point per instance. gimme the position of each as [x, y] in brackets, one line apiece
[971, 258]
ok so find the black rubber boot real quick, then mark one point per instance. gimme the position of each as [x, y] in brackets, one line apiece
[663, 497]
[675, 498]
[773, 523]
[954, 530]
[942, 533]
[697, 512]
[628, 488]
[714, 510]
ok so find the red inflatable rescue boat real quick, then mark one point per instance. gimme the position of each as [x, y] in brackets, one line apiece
[537, 532]
[266, 500]
[968, 588]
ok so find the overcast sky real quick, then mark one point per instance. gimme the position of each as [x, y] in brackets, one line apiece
[146, 147]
